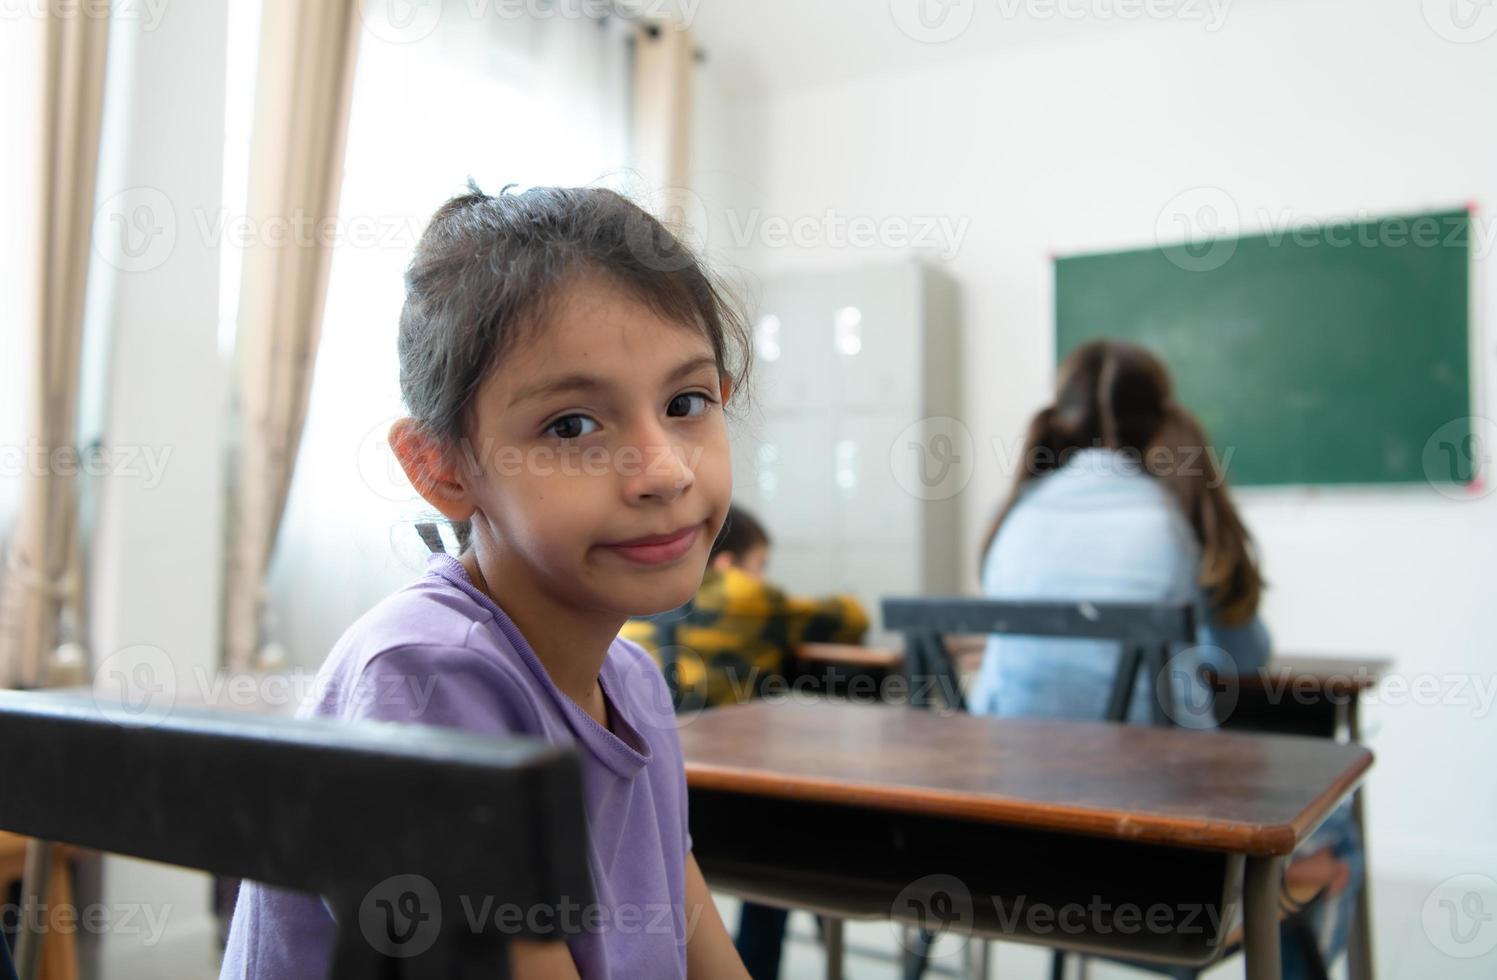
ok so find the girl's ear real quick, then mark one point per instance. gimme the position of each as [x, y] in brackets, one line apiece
[725, 388]
[432, 469]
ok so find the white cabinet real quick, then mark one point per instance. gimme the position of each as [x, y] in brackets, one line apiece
[850, 366]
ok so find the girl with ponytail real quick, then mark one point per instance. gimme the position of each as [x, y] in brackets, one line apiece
[1120, 497]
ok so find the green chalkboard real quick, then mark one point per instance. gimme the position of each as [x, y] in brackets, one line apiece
[1329, 355]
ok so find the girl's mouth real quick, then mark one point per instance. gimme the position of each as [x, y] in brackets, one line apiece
[657, 549]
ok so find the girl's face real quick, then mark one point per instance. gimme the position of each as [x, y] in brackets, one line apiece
[604, 429]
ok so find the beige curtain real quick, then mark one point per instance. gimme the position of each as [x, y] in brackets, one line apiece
[664, 61]
[305, 80]
[42, 578]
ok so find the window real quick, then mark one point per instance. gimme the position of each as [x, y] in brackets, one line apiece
[498, 96]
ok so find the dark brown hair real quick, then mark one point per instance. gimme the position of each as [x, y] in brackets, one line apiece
[488, 269]
[1118, 395]
[741, 534]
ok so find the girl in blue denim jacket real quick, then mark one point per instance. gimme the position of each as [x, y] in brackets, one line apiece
[1120, 497]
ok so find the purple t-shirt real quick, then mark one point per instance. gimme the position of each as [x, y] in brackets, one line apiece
[440, 652]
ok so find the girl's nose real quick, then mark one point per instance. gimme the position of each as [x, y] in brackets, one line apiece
[663, 471]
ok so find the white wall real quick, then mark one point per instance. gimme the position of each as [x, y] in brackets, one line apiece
[153, 294]
[1311, 110]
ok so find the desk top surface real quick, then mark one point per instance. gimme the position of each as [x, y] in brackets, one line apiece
[1249, 794]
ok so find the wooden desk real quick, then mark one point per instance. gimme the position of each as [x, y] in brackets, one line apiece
[993, 825]
[1302, 695]
[850, 655]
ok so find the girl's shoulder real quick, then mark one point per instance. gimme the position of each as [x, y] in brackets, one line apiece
[635, 678]
[415, 643]
[433, 610]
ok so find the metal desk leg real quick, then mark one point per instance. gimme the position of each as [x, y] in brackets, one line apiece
[1260, 917]
[833, 938]
[977, 958]
[1359, 938]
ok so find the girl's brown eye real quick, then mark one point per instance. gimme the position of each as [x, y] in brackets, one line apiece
[570, 426]
[682, 405]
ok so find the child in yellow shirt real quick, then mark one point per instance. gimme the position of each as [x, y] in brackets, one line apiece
[739, 632]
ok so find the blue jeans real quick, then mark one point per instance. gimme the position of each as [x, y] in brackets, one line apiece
[761, 937]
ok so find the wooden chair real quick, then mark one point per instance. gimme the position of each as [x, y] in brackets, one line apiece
[499, 818]
[1146, 633]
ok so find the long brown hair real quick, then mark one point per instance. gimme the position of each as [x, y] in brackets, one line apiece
[1119, 396]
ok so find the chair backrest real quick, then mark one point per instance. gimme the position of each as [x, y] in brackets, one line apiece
[345, 810]
[1146, 632]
